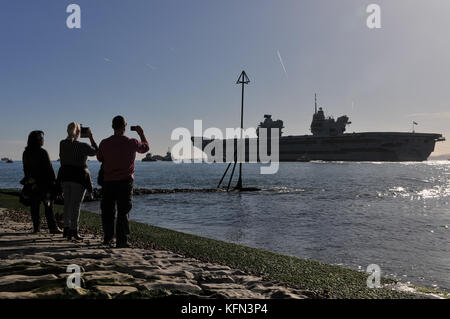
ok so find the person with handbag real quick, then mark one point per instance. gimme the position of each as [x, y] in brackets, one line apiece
[40, 181]
[74, 176]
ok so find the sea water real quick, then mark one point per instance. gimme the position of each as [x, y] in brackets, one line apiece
[395, 215]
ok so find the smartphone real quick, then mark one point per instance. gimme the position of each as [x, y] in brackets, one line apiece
[84, 132]
[133, 128]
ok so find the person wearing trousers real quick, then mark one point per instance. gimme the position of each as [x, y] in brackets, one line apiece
[74, 176]
[117, 154]
[41, 180]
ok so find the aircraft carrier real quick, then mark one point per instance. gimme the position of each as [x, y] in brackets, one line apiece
[329, 142]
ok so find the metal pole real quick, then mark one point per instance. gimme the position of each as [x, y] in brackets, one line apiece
[221, 180]
[239, 183]
[231, 177]
[243, 79]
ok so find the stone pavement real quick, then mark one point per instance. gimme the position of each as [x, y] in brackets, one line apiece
[35, 266]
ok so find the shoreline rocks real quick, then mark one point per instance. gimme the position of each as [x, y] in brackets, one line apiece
[35, 266]
[96, 194]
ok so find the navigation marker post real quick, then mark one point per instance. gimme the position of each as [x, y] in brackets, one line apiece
[243, 79]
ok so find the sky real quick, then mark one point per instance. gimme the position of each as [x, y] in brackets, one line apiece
[163, 64]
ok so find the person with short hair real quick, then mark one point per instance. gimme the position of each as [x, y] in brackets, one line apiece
[41, 180]
[74, 176]
[117, 154]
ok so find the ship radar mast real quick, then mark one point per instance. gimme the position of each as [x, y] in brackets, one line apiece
[315, 103]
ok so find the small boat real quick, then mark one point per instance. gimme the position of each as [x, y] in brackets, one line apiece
[9, 161]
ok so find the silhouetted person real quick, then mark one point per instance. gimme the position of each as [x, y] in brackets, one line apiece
[74, 176]
[118, 153]
[40, 176]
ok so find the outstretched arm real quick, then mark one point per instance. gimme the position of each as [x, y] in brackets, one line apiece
[143, 146]
[93, 148]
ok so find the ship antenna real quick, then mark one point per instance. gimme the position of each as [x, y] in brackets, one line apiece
[315, 103]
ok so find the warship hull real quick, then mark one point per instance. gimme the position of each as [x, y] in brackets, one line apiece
[369, 146]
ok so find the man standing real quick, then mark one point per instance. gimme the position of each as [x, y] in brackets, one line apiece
[117, 154]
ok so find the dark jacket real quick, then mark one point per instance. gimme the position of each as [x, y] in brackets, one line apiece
[75, 174]
[38, 171]
[73, 156]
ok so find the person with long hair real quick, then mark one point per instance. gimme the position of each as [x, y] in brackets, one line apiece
[39, 174]
[74, 176]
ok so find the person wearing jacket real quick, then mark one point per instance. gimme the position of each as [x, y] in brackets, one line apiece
[74, 176]
[41, 179]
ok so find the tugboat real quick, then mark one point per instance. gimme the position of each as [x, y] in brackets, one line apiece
[329, 142]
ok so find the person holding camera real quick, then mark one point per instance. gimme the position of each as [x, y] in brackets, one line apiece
[74, 175]
[117, 154]
[40, 180]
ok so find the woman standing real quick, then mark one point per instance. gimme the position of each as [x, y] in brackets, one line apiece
[74, 176]
[40, 177]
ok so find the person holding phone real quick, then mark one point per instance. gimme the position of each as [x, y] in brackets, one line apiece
[117, 154]
[74, 175]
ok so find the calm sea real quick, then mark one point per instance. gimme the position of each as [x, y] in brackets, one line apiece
[396, 215]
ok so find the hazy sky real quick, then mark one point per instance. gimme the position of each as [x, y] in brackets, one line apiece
[164, 63]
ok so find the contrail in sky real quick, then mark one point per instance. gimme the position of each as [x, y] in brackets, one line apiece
[281, 61]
